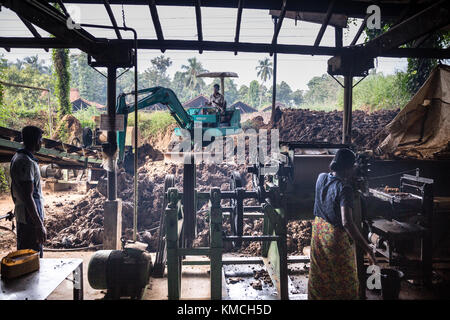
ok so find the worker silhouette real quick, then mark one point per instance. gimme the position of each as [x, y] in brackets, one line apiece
[217, 100]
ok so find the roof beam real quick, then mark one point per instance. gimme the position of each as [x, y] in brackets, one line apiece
[112, 18]
[54, 22]
[324, 23]
[156, 22]
[429, 20]
[279, 23]
[32, 29]
[360, 30]
[63, 7]
[231, 47]
[354, 9]
[238, 22]
[198, 16]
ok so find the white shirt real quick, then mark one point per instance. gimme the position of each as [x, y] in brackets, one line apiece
[24, 169]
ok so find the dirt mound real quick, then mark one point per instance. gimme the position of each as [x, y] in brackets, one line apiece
[71, 127]
[83, 224]
[320, 126]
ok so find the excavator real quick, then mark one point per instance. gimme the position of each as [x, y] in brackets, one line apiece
[208, 116]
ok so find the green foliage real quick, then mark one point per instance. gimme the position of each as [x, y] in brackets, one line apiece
[377, 92]
[157, 75]
[253, 94]
[322, 93]
[297, 97]
[85, 116]
[61, 65]
[4, 179]
[264, 69]
[419, 69]
[152, 123]
[191, 70]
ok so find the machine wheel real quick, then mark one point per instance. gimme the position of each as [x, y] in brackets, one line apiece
[237, 209]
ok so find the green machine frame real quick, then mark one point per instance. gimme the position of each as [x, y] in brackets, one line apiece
[274, 250]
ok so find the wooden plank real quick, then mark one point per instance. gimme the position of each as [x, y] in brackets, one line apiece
[112, 18]
[238, 23]
[156, 22]
[224, 46]
[325, 23]
[279, 23]
[198, 16]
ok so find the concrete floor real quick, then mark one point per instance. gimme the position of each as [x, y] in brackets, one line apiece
[195, 285]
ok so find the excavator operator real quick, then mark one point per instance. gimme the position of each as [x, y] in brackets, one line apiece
[217, 100]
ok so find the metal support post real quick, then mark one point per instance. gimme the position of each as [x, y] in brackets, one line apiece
[427, 239]
[274, 83]
[216, 244]
[78, 283]
[347, 114]
[112, 136]
[359, 252]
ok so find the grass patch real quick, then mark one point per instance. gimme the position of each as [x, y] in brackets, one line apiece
[151, 123]
[85, 116]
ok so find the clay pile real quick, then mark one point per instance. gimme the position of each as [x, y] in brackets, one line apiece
[82, 225]
[320, 126]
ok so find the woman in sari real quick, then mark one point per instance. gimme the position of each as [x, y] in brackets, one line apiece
[333, 274]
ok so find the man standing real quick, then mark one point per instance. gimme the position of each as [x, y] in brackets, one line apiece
[26, 192]
[217, 99]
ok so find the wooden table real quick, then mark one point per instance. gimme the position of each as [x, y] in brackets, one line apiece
[40, 284]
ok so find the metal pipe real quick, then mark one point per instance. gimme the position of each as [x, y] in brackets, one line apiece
[347, 114]
[112, 135]
[274, 85]
[251, 238]
[125, 28]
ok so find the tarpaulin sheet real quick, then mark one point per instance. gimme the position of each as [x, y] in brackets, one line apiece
[422, 128]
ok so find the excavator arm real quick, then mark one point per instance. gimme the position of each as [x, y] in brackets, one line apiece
[155, 95]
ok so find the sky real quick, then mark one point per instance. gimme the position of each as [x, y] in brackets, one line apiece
[218, 25]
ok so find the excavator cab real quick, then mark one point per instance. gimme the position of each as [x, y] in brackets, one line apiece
[210, 116]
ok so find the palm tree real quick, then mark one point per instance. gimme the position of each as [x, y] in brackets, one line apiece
[265, 71]
[193, 68]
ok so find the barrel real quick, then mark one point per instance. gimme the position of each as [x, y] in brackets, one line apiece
[390, 283]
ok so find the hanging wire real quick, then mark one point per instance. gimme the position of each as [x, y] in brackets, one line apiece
[123, 16]
[393, 174]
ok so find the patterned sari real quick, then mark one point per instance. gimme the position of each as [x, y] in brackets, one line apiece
[332, 273]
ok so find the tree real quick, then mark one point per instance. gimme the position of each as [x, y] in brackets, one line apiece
[243, 93]
[297, 97]
[419, 68]
[253, 93]
[265, 71]
[91, 84]
[284, 92]
[191, 70]
[322, 90]
[156, 75]
[62, 80]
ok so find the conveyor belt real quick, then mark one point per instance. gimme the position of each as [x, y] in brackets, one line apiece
[66, 156]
